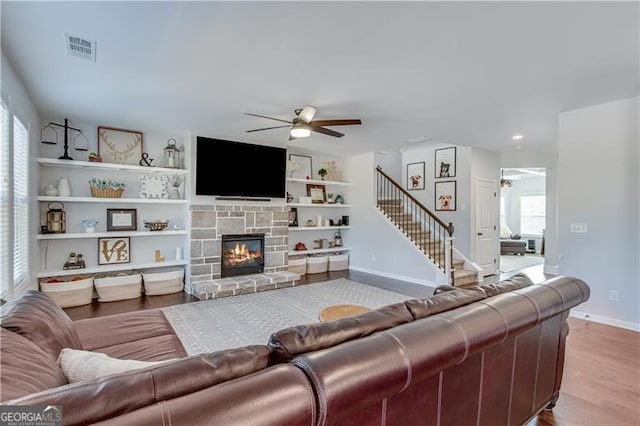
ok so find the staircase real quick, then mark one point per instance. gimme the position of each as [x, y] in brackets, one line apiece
[422, 228]
[432, 247]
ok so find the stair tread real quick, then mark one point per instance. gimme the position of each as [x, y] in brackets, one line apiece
[459, 273]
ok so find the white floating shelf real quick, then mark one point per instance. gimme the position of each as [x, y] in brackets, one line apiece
[112, 200]
[77, 235]
[319, 182]
[317, 251]
[316, 228]
[317, 205]
[110, 268]
[76, 164]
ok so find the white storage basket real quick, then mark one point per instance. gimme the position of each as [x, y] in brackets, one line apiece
[69, 293]
[338, 262]
[156, 283]
[298, 265]
[317, 264]
[121, 287]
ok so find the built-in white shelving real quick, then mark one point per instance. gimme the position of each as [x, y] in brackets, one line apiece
[109, 268]
[55, 246]
[318, 251]
[112, 200]
[319, 182]
[76, 164]
[318, 205]
[78, 235]
[316, 228]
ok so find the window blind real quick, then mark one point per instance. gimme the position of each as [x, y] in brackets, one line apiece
[20, 205]
[5, 234]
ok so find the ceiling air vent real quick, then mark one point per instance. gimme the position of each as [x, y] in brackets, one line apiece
[83, 48]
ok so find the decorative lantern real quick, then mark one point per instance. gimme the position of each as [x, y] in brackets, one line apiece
[56, 219]
[172, 155]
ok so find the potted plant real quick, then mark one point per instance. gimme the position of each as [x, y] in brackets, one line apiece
[322, 172]
[94, 158]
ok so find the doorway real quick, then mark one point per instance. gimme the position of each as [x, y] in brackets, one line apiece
[522, 217]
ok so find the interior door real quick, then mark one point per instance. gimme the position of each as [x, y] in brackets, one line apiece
[486, 244]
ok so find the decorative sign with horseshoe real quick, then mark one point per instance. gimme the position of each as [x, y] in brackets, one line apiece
[114, 250]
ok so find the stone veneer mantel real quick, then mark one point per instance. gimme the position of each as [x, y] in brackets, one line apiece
[210, 222]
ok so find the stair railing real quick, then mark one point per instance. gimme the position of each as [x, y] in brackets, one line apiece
[430, 234]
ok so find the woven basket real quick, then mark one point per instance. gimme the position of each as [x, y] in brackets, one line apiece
[106, 193]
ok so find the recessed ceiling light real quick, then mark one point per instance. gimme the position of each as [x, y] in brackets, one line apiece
[517, 137]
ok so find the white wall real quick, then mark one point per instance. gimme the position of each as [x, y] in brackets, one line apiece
[378, 247]
[598, 186]
[21, 105]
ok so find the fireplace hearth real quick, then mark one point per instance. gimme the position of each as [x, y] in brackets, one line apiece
[242, 254]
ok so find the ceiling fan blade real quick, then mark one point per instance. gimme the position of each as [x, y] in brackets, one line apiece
[270, 118]
[266, 128]
[306, 114]
[345, 122]
[322, 130]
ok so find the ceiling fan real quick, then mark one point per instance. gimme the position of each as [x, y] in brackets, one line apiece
[303, 124]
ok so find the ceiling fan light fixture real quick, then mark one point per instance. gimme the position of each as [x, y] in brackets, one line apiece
[300, 132]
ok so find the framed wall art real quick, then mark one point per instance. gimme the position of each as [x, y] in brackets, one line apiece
[415, 175]
[445, 165]
[317, 193]
[445, 195]
[122, 220]
[299, 167]
[293, 217]
[119, 146]
[114, 250]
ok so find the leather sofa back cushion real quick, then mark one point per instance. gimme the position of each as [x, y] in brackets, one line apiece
[443, 302]
[25, 367]
[516, 282]
[35, 316]
[90, 402]
[292, 341]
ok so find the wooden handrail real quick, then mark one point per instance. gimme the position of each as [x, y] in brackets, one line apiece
[449, 228]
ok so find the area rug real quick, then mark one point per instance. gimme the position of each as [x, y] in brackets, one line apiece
[510, 263]
[232, 322]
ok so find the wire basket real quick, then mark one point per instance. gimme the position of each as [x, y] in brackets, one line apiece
[106, 192]
[157, 225]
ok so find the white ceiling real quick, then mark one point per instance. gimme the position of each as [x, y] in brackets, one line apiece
[468, 73]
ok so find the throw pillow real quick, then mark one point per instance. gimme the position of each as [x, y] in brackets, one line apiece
[79, 366]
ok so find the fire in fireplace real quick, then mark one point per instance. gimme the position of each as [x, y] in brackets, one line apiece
[242, 254]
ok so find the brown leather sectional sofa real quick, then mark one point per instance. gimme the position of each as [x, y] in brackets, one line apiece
[489, 355]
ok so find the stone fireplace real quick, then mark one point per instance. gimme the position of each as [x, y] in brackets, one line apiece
[210, 223]
[242, 254]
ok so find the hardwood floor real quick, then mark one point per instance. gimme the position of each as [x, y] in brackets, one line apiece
[601, 382]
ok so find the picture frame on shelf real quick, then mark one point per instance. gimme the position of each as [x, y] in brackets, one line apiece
[122, 220]
[114, 250]
[445, 162]
[119, 146]
[299, 167]
[317, 193]
[293, 216]
[415, 176]
[445, 195]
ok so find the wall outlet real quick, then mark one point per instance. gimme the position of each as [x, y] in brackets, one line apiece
[578, 227]
[373, 257]
[614, 296]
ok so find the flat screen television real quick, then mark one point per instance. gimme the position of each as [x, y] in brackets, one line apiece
[238, 169]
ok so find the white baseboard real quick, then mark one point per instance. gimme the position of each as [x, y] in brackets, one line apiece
[395, 277]
[551, 269]
[605, 320]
